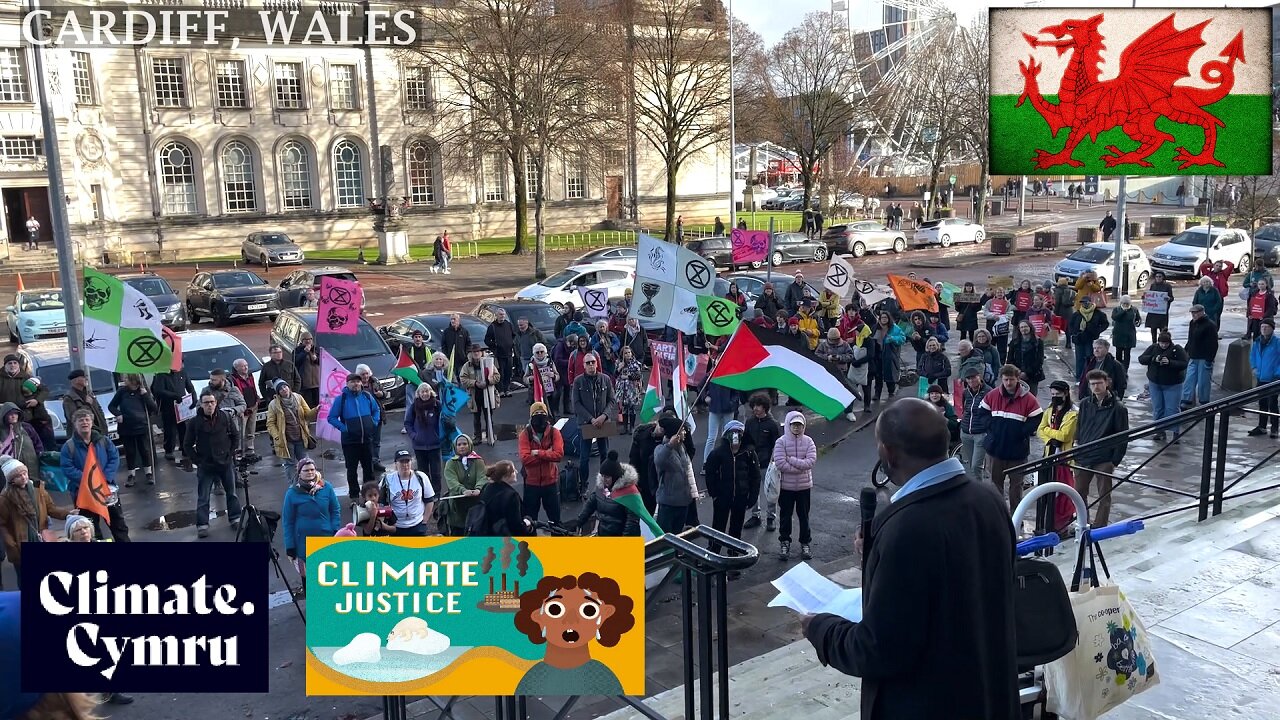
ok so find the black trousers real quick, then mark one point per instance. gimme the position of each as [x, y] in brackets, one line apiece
[727, 515]
[358, 455]
[137, 451]
[482, 421]
[429, 462]
[312, 396]
[1123, 356]
[797, 500]
[172, 428]
[544, 497]
[1269, 404]
[504, 370]
[117, 525]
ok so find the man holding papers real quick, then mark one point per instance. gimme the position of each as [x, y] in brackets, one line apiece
[936, 639]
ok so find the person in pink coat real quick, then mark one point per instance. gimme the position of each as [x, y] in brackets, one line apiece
[795, 455]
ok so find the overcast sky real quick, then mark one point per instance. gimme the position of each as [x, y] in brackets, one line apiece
[772, 19]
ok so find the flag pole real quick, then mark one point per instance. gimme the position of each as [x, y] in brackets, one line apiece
[706, 383]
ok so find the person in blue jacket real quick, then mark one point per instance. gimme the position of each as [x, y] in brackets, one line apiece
[310, 509]
[356, 414]
[74, 453]
[1264, 356]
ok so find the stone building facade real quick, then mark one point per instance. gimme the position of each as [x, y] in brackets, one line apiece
[184, 151]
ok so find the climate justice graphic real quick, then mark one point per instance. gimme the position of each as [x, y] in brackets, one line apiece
[1132, 91]
[475, 616]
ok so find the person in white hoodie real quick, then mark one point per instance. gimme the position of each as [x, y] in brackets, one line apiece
[795, 455]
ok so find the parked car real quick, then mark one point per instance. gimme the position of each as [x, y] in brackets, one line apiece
[204, 351]
[1266, 244]
[795, 203]
[432, 326]
[167, 302]
[50, 361]
[540, 315]
[365, 346]
[717, 249]
[947, 231]
[860, 238]
[301, 286]
[226, 295]
[1184, 252]
[36, 315]
[782, 195]
[271, 248]
[1100, 258]
[563, 287]
[621, 255]
[793, 247]
[751, 284]
[853, 202]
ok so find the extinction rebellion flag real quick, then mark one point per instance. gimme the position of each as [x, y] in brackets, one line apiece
[1130, 91]
[122, 328]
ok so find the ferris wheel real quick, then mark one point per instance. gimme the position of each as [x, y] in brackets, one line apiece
[880, 34]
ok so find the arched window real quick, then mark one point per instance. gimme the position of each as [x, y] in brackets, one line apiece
[348, 177]
[239, 186]
[295, 176]
[422, 173]
[177, 180]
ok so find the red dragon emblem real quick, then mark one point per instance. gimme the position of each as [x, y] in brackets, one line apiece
[1144, 91]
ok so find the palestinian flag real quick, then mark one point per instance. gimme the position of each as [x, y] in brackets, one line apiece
[652, 402]
[759, 358]
[406, 369]
[1212, 64]
[629, 498]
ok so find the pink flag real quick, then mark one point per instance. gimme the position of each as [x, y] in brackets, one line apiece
[340, 302]
[333, 380]
[749, 245]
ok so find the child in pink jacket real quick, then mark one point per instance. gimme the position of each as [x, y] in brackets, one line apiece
[795, 454]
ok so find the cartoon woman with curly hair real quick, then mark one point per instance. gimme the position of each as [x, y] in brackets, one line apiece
[567, 613]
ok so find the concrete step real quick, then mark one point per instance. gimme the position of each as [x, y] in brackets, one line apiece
[1209, 594]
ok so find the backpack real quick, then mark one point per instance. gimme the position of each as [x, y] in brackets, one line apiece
[475, 525]
[1044, 621]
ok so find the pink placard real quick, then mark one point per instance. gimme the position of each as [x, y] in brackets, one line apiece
[749, 245]
[333, 380]
[340, 302]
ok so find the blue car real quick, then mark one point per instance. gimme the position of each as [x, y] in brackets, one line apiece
[36, 315]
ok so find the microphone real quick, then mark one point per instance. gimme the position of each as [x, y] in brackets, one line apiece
[867, 502]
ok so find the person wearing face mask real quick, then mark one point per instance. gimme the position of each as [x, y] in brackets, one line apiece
[1058, 433]
[541, 448]
[795, 454]
[733, 479]
[1264, 356]
[1015, 417]
[1166, 372]
[962, 662]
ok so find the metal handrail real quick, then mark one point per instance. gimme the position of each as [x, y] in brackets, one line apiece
[1186, 417]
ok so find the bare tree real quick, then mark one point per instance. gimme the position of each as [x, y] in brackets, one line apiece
[812, 80]
[1257, 202]
[681, 78]
[973, 90]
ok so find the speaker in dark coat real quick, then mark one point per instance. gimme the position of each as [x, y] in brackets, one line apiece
[937, 635]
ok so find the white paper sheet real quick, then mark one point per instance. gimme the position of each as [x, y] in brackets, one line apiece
[804, 590]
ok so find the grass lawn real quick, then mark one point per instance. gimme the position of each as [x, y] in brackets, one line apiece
[485, 246]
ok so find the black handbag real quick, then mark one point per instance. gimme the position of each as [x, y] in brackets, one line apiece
[1044, 621]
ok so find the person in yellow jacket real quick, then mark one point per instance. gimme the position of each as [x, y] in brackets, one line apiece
[828, 309]
[288, 423]
[1058, 431]
[1087, 285]
[809, 325]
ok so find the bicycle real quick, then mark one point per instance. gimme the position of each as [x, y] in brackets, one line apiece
[880, 479]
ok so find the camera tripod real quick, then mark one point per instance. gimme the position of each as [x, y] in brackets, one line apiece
[255, 527]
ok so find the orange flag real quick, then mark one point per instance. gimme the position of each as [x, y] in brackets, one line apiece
[94, 492]
[913, 294]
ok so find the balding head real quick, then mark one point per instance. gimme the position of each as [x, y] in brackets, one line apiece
[912, 435]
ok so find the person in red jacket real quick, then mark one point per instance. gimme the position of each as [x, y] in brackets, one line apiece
[1220, 273]
[541, 450]
[1015, 417]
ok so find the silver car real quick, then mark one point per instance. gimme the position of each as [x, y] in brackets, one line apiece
[271, 248]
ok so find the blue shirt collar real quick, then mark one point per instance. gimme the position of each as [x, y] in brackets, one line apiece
[931, 475]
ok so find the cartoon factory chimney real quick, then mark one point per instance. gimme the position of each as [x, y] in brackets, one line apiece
[491, 586]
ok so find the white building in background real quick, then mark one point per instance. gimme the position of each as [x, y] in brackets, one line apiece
[186, 151]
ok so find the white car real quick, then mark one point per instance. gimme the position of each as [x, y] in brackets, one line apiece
[1100, 258]
[562, 287]
[49, 361]
[948, 231]
[1185, 252]
[206, 350]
